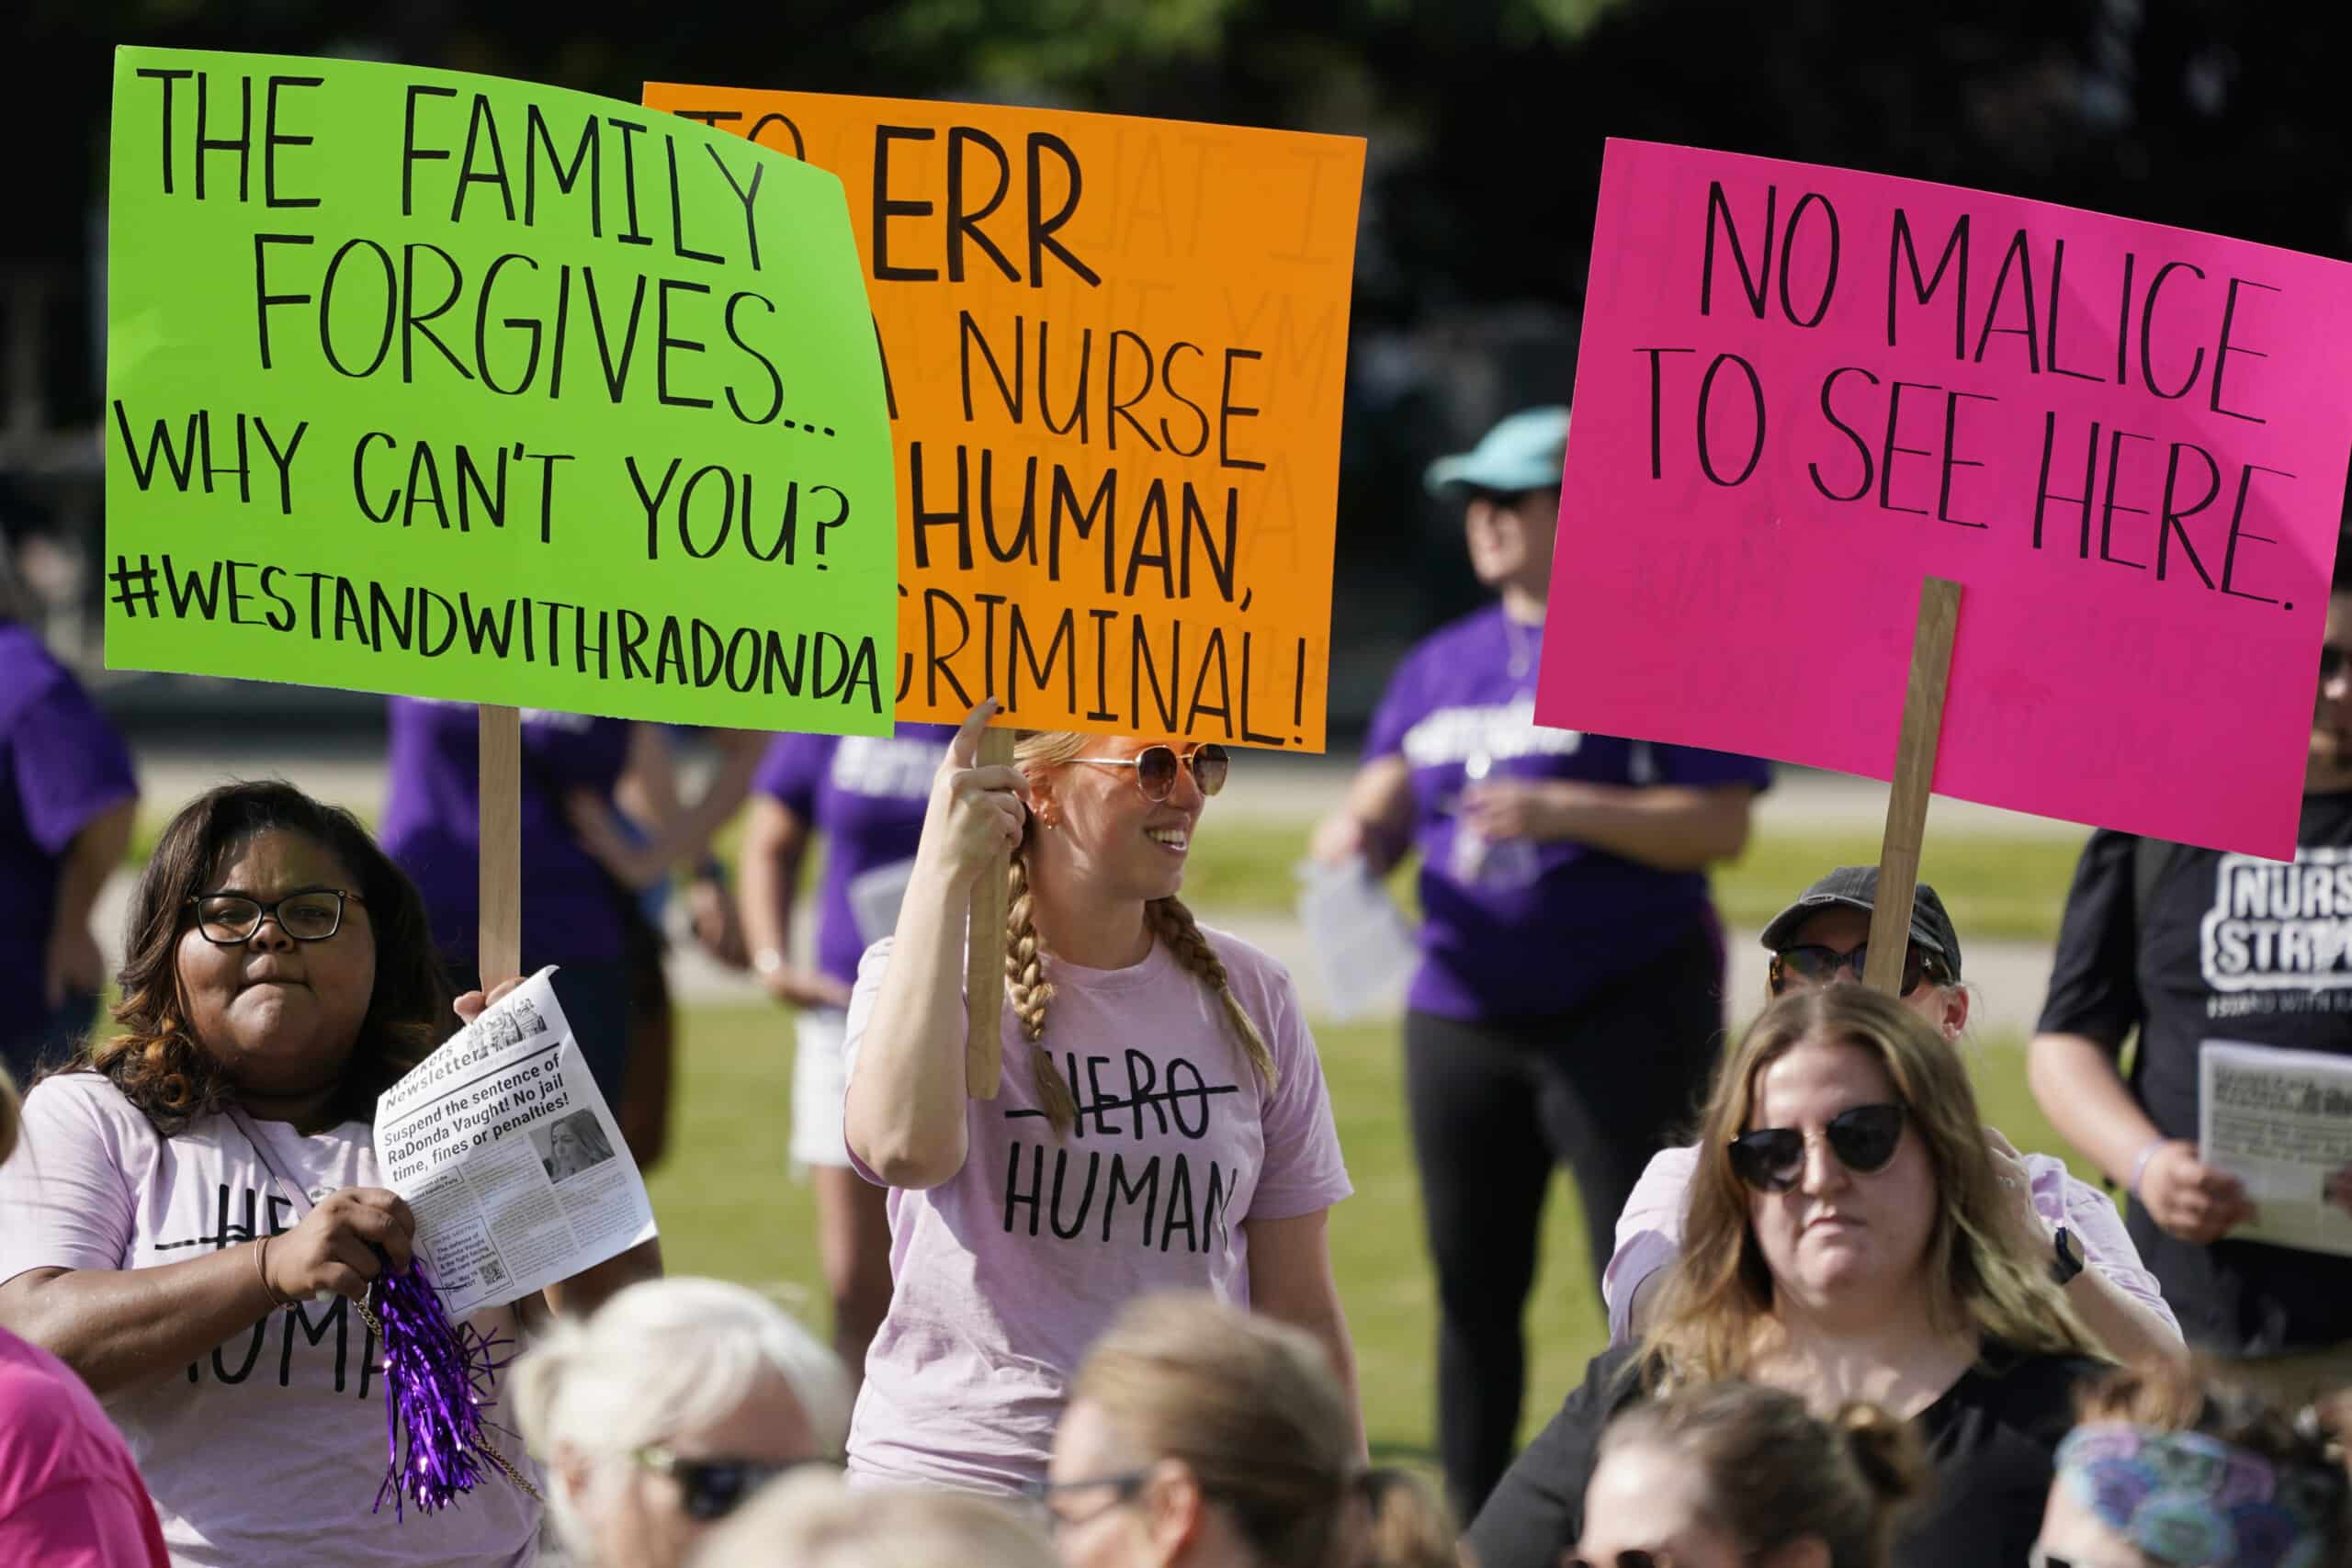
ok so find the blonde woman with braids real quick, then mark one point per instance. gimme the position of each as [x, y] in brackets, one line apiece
[1162, 1122]
[1847, 1240]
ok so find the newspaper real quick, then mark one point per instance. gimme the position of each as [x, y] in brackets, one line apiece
[1364, 950]
[2280, 1121]
[504, 1148]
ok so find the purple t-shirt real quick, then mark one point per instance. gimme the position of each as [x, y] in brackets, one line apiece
[1008, 1270]
[1517, 929]
[61, 765]
[867, 796]
[572, 909]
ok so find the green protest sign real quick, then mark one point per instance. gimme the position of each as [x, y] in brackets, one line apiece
[456, 386]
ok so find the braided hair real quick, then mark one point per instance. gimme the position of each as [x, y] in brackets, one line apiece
[1028, 988]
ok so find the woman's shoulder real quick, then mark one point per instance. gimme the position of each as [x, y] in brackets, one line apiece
[80, 1094]
[1250, 967]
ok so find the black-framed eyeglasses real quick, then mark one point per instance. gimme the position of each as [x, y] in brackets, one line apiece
[312, 915]
[1124, 1488]
[1863, 1138]
[714, 1488]
[1819, 965]
[1155, 767]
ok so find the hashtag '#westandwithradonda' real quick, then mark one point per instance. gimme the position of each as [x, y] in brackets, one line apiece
[135, 585]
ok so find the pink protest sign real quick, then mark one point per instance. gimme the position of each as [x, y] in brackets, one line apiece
[1802, 390]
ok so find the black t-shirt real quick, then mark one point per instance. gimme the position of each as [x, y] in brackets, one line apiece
[1991, 1440]
[2234, 948]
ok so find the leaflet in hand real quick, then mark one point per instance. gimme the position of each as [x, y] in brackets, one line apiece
[1364, 950]
[2280, 1121]
[505, 1150]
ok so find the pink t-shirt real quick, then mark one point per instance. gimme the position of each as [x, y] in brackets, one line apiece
[1006, 1273]
[70, 1497]
[268, 1450]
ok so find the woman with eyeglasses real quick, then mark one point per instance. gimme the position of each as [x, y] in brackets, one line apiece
[1822, 940]
[1736, 1475]
[863, 797]
[660, 1415]
[198, 1205]
[1567, 1001]
[2170, 1470]
[1845, 1241]
[1201, 1436]
[1162, 1121]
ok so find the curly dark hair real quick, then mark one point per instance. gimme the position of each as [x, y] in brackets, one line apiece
[164, 1070]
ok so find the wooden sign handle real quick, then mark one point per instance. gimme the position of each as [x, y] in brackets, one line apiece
[501, 808]
[1915, 770]
[984, 950]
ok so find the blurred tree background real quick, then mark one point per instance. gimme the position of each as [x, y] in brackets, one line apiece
[1485, 119]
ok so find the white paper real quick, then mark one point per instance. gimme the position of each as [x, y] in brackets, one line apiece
[2280, 1121]
[505, 1150]
[1364, 950]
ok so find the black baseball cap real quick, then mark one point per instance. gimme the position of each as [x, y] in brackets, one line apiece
[1856, 887]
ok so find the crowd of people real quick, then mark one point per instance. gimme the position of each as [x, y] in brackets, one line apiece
[1095, 1320]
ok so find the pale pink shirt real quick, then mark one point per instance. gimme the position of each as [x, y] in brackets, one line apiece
[1649, 1233]
[1007, 1272]
[265, 1451]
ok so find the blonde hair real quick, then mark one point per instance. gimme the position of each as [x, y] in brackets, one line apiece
[1028, 989]
[1770, 1471]
[811, 1520]
[1251, 1407]
[662, 1358]
[1720, 1292]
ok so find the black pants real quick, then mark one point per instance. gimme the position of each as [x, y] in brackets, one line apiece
[1495, 1105]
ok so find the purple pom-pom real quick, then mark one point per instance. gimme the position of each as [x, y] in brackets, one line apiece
[436, 1377]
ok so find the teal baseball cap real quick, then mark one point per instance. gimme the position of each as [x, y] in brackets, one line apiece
[1523, 452]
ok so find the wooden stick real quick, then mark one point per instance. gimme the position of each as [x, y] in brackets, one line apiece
[1915, 772]
[500, 790]
[984, 950]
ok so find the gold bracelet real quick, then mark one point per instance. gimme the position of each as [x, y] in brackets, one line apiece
[261, 1267]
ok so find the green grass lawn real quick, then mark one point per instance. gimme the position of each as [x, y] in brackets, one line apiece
[726, 1207]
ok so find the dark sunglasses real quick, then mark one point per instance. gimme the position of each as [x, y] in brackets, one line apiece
[1819, 965]
[1632, 1558]
[1155, 767]
[714, 1488]
[1770, 1159]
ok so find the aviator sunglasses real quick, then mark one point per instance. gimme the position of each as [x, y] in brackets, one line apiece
[1155, 767]
[1769, 1159]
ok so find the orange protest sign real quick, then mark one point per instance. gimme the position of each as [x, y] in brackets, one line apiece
[1115, 350]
